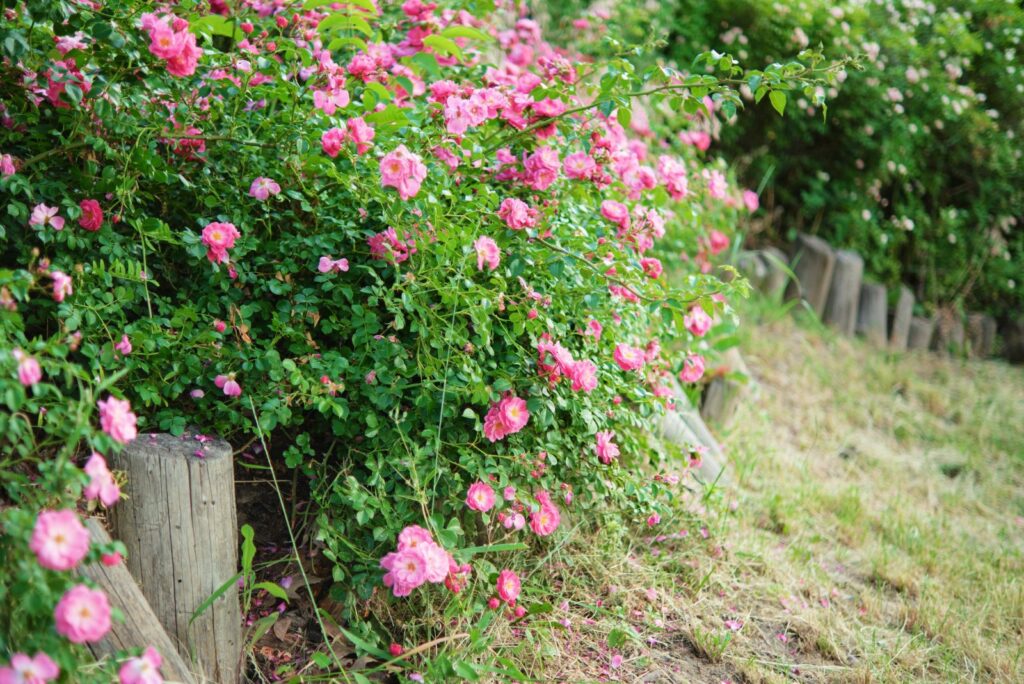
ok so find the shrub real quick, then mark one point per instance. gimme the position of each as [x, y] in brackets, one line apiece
[417, 255]
[918, 163]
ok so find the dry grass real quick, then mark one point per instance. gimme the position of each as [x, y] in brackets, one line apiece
[877, 536]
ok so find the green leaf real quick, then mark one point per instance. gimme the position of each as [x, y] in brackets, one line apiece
[248, 549]
[473, 550]
[273, 589]
[201, 608]
[465, 32]
[345, 21]
[778, 99]
[444, 46]
[363, 4]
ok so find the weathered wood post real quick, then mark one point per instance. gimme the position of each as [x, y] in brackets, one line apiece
[179, 526]
[813, 262]
[872, 313]
[980, 334]
[684, 427]
[723, 394]
[988, 335]
[844, 293]
[949, 332]
[140, 628]
[920, 335]
[901, 316]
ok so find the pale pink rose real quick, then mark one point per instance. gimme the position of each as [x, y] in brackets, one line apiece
[751, 200]
[124, 346]
[25, 670]
[402, 170]
[413, 536]
[262, 188]
[584, 376]
[43, 216]
[697, 321]
[7, 167]
[480, 497]
[594, 328]
[142, 670]
[117, 419]
[579, 165]
[487, 253]
[82, 615]
[616, 212]
[509, 586]
[653, 519]
[406, 570]
[327, 264]
[517, 214]
[331, 141]
[59, 540]
[717, 186]
[607, 450]
[29, 371]
[693, 368]
[629, 358]
[231, 388]
[438, 561]
[509, 493]
[61, 285]
[101, 485]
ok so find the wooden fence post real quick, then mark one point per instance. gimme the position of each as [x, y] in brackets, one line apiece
[872, 313]
[901, 316]
[812, 263]
[180, 529]
[140, 628]
[920, 334]
[949, 332]
[844, 293]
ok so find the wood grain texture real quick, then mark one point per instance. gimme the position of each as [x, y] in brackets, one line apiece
[899, 334]
[813, 262]
[179, 524]
[844, 292]
[685, 428]
[140, 628]
[873, 313]
[920, 334]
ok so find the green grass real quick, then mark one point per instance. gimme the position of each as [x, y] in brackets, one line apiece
[877, 536]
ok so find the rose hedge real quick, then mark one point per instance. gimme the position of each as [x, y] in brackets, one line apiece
[409, 249]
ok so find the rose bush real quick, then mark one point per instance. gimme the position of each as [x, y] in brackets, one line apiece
[416, 251]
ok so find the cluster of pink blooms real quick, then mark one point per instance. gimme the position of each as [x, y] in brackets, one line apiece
[505, 417]
[583, 374]
[544, 518]
[102, 486]
[607, 450]
[629, 358]
[402, 170]
[693, 368]
[228, 385]
[171, 41]
[357, 129]
[219, 238]
[517, 214]
[387, 246]
[420, 559]
[508, 589]
[698, 321]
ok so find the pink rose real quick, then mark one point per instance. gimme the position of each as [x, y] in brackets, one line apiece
[362, 134]
[61, 285]
[83, 615]
[25, 670]
[331, 141]
[124, 346]
[29, 372]
[607, 450]
[327, 264]
[7, 167]
[59, 540]
[697, 321]
[92, 214]
[546, 519]
[487, 252]
[185, 62]
[509, 586]
[718, 241]
[751, 200]
[402, 170]
[629, 358]
[219, 238]
[517, 214]
[693, 368]
[584, 376]
[480, 497]
[616, 212]
[652, 267]
[506, 417]
[43, 216]
[580, 165]
[101, 482]
[406, 570]
[262, 188]
[142, 670]
[117, 419]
